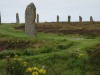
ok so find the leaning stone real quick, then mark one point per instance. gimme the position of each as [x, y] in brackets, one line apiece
[30, 16]
[91, 19]
[80, 19]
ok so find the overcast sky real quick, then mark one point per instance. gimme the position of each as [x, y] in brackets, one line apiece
[49, 9]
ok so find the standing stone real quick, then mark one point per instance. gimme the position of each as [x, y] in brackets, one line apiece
[57, 18]
[80, 19]
[30, 16]
[69, 18]
[37, 18]
[91, 19]
[17, 18]
[0, 18]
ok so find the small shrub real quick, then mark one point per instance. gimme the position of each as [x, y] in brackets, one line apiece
[65, 46]
[47, 49]
[14, 44]
[94, 59]
[17, 66]
[90, 37]
[11, 53]
[31, 51]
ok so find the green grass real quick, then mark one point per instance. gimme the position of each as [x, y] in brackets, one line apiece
[60, 53]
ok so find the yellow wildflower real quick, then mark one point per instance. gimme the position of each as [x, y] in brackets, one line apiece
[81, 55]
[41, 71]
[7, 56]
[19, 59]
[29, 70]
[16, 56]
[35, 68]
[34, 73]
[25, 63]
[13, 67]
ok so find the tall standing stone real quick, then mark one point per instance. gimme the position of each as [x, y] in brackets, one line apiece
[57, 18]
[91, 19]
[80, 19]
[37, 18]
[30, 16]
[0, 18]
[69, 18]
[17, 18]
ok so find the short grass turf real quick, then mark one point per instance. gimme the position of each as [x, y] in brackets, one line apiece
[59, 53]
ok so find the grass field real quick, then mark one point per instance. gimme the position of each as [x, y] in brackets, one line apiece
[61, 53]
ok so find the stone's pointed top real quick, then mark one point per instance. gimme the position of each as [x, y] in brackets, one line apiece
[69, 16]
[90, 16]
[16, 13]
[31, 4]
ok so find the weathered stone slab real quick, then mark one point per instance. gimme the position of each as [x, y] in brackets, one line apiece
[91, 19]
[30, 16]
[57, 18]
[69, 18]
[37, 18]
[80, 19]
[17, 18]
[0, 18]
